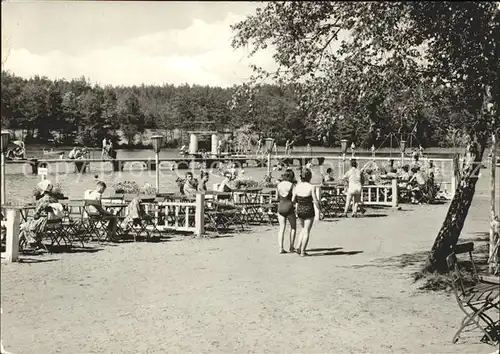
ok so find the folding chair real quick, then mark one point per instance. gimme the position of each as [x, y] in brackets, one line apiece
[73, 221]
[98, 223]
[476, 300]
[220, 217]
[150, 209]
[56, 232]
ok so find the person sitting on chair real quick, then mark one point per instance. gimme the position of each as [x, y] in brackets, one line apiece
[328, 176]
[417, 184]
[405, 174]
[18, 153]
[47, 208]
[224, 185]
[73, 153]
[96, 194]
[202, 186]
[190, 185]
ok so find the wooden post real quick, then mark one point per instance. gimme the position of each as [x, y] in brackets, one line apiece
[3, 196]
[268, 163]
[157, 162]
[394, 193]
[493, 255]
[12, 242]
[199, 217]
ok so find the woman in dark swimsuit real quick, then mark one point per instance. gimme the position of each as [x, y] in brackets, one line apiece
[286, 211]
[305, 196]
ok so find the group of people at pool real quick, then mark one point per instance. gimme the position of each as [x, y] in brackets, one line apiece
[298, 201]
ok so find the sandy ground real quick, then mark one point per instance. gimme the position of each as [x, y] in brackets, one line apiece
[238, 295]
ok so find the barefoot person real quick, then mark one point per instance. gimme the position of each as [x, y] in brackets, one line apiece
[286, 211]
[305, 196]
[104, 152]
[354, 178]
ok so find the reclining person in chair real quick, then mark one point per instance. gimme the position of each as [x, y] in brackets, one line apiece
[47, 208]
[96, 194]
[418, 185]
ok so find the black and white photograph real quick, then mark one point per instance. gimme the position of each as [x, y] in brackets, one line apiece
[250, 177]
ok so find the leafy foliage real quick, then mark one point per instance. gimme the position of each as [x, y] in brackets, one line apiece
[432, 63]
[131, 187]
[393, 62]
[74, 111]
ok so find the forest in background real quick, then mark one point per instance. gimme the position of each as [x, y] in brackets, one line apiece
[63, 112]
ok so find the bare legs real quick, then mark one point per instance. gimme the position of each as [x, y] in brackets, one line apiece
[355, 199]
[306, 226]
[281, 233]
[293, 231]
[347, 203]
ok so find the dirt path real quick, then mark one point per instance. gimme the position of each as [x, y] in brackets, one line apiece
[238, 295]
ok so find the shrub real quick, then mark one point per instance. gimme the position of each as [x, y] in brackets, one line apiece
[126, 187]
[131, 187]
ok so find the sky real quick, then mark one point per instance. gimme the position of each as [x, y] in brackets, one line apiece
[127, 43]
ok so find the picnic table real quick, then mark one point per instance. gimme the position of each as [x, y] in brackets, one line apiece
[24, 209]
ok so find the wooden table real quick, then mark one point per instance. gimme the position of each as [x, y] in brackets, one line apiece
[24, 209]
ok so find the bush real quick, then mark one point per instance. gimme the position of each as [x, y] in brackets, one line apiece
[131, 187]
[126, 187]
[245, 183]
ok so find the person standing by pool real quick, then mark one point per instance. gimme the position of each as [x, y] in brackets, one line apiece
[104, 152]
[305, 196]
[286, 210]
[354, 178]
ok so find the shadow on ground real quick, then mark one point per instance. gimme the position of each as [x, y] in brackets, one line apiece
[404, 260]
[28, 260]
[479, 237]
[374, 215]
[333, 253]
[59, 250]
[400, 261]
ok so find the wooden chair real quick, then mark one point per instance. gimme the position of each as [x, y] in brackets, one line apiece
[73, 221]
[474, 300]
[222, 217]
[98, 222]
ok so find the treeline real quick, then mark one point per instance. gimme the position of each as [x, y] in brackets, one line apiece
[68, 112]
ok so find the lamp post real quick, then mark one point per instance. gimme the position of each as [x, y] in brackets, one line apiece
[343, 148]
[4, 143]
[269, 148]
[402, 146]
[156, 141]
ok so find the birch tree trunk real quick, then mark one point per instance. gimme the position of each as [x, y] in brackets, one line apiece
[452, 226]
[494, 250]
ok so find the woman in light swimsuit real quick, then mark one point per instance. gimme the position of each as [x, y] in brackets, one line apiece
[286, 210]
[355, 180]
[305, 196]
